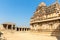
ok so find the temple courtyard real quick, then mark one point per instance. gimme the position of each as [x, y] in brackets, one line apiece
[10, 35]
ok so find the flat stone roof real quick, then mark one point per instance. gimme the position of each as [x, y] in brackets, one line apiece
[22, 27]
[9, 23]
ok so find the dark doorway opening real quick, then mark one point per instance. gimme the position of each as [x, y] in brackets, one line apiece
[9, 26]
[17, 29]
[20, 29]
[13, 28]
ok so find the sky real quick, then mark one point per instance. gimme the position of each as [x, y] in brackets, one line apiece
[19, 11]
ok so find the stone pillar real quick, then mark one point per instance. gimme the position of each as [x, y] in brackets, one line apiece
[31, 27]
[35, 27]
[11, 27]
[49, 27]
[7, 27]
[27, 29]
[20, 29]
[39, 27]
[15, 29]
[24, 29]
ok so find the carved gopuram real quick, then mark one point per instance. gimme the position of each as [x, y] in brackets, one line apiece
[46, 18]
[12, 26]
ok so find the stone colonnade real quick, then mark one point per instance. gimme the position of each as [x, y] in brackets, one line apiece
[13, 27]
[9, 26]
[22, 29]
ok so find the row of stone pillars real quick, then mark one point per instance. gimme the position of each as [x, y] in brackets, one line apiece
[23, 29]
[13, 27]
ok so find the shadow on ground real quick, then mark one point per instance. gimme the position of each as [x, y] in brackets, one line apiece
[56, 33]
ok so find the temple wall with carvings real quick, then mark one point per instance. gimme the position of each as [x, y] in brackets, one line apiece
[46, 26]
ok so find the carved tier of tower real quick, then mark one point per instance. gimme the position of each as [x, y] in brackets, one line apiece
[46, 18]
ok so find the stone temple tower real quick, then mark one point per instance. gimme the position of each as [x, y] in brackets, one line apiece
[46, 18]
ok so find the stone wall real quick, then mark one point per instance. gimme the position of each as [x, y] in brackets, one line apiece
[48, 26]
